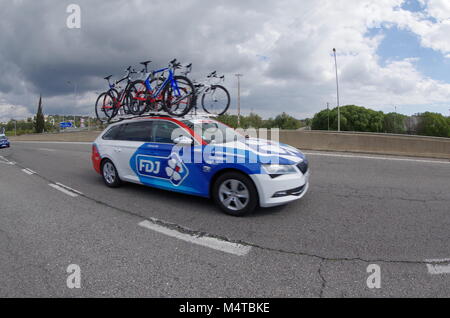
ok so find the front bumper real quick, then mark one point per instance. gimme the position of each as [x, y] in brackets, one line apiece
[296, 186]
[4, 145]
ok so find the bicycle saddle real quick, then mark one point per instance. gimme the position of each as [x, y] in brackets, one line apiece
[146, 63]
[108, 77]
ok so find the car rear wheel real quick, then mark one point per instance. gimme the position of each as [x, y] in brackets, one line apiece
[235, 194]
[110, 175]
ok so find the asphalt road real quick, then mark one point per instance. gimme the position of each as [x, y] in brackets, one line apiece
[360, 210]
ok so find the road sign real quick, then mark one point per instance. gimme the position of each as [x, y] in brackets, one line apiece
[66, 124]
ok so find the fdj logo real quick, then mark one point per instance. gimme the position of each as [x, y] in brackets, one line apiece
[149, 167]
[171, 168]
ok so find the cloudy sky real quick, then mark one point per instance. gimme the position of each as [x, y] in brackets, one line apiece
[391, 53]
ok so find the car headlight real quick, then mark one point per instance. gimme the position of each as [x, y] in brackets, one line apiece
[278, 170]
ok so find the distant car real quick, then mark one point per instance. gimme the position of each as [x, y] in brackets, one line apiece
[4, 142]
[182, 155]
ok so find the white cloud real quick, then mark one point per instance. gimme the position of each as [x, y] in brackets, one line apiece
[9, 111]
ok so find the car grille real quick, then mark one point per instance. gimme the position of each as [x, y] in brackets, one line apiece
[303, 166]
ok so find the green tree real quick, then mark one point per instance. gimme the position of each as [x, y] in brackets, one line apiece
[252, 121]
[40, 121]
[353, 118]
[285, 121]
[433, 124]
[230, 120]
[395, 123]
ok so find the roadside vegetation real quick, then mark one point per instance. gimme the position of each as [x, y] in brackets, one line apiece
[282, 121]
[361, 119]
[353, 118]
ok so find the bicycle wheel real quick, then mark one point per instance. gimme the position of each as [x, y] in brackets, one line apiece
[138, 98]
[216, 100]
[104, 107]
[156, 102]
[179, 102]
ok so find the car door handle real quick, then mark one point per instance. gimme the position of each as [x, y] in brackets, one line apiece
[117, 149]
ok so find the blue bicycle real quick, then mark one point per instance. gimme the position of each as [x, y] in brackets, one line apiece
[173, 93]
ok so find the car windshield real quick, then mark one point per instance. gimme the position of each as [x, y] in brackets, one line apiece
[2, 138]
[213, 131]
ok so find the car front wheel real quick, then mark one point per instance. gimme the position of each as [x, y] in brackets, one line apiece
[235, 194]
[110, 175]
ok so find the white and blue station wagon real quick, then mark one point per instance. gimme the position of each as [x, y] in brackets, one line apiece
[203, 157]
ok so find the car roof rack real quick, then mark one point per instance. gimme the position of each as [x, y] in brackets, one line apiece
[160, 114]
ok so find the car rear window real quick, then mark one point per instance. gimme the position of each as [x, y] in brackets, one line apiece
[139, 131]
[111, 134]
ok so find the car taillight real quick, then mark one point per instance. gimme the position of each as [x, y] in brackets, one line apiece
[96, 159]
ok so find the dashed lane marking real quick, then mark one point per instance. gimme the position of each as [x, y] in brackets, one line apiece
[63, 190]
[28, 171]
[4, 160]
[206, 241]
[438, 266]
[68, 188]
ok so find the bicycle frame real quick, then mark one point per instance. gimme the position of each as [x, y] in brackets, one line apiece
[118, 102]
[170, 78]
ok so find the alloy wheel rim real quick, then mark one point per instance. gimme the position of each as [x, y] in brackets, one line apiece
[109, 173]
[234, 195]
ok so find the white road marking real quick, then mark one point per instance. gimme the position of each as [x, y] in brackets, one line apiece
[63, 190]
[438, 266]
[211, 242]
[68, 188]
[374, 157]
[28, 171]
[7, 161]
[46, 149]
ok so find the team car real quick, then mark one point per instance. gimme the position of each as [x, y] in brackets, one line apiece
[203, 157]
[4, 142]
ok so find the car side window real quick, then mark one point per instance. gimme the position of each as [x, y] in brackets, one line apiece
[138, 131]
[163, 131]
[111, 134]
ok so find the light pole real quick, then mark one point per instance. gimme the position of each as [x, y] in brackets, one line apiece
[239, 99]
[15, 124]
[74, 95]
[328, 111]
[337, 90]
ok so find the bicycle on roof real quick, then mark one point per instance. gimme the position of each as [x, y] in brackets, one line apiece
[174, 94]
[115, 100]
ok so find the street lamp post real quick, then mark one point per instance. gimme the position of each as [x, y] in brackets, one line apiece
[74, 97]
[239, 99]
[328, 111]
[337, 90]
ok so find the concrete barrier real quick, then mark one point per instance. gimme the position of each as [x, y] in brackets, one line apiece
[402, 145]
[78, 136]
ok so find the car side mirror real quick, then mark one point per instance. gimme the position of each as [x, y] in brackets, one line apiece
[184, 141]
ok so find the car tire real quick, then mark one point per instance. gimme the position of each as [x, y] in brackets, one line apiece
[235, 194]
[110, 174]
